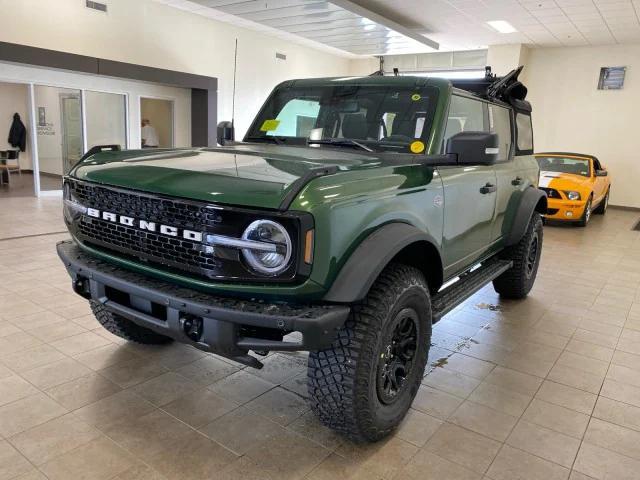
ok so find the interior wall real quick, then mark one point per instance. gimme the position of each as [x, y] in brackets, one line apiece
[14, 99]
[153, 34]
[133, 89]
[571, 114]
[160, 115]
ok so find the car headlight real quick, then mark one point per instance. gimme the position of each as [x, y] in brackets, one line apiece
[274, 259]
[572, 195]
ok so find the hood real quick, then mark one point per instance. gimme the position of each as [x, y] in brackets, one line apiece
[248, 175]
[561, 181]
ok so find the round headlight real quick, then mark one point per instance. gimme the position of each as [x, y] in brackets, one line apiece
[274, 257]
[572, 195]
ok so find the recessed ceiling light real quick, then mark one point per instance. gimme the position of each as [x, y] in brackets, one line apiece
[502, 26]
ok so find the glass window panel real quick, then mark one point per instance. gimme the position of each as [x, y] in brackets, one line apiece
[59, 133]
[500, 122]
[525, 132]
[106, 119]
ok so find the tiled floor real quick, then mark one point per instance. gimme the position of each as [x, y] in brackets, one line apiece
[547, 388]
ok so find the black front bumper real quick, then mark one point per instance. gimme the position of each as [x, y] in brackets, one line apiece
[228, 326]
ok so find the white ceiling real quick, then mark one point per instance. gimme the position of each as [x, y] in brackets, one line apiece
[383, 26]
[461, 24]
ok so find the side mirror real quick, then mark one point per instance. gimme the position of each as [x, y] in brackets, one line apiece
[601, 173]
[226, 132]
[474, 148]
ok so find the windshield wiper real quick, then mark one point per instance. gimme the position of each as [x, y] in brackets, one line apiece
[348, 142]
[270, 138]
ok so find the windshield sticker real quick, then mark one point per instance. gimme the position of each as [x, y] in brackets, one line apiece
[415, 97]
[416, 147]
[269, 125]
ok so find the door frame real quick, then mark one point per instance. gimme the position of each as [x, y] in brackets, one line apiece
[172, 101]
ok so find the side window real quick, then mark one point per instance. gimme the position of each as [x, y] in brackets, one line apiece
[524, 132]
[465, 115]
[500, 123]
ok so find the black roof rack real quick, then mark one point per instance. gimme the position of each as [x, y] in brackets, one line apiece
[507, 89]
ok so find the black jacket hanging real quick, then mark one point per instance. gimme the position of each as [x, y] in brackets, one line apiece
[18, 133]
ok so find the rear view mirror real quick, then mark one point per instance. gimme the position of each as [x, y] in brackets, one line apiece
[226, 132]
[601, 173]
[474, 148]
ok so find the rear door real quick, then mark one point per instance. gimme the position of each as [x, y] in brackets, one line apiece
[510, 180]
[469, 192]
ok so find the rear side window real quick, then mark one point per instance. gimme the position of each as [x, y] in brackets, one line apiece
[500, 123]
[525, 134]
[465, 115]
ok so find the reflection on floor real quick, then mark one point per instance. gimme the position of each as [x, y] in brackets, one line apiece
[22, 185]
[545, 388]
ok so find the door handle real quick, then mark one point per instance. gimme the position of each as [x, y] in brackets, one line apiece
[516, 181]
[488, 188]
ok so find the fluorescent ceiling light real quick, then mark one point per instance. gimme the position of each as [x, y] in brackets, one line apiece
[502, 26]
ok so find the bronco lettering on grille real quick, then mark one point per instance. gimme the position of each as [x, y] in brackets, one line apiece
[145, 225]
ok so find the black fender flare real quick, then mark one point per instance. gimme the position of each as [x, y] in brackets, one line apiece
[532, 199]
[369, 259]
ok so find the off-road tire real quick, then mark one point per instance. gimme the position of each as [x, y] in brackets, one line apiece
[604, 203]
[342, 379]
[125, 328]
[586, 215]
[518, 280]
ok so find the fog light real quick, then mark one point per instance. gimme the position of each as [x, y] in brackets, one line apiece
[569, 214]
[192, 327]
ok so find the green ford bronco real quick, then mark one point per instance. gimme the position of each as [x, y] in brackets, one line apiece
[353, 216]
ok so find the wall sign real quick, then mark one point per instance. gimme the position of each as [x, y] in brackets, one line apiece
[611, 78]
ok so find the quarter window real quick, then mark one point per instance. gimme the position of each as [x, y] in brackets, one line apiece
[525, 133]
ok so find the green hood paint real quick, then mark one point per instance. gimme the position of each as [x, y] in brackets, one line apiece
[245, 175]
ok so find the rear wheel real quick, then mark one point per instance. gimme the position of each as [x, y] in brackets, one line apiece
[525, 255]
[125, 328]
[363, 385]
[586, 215]
[604, 203]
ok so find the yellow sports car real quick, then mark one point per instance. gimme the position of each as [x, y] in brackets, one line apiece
[577, 185]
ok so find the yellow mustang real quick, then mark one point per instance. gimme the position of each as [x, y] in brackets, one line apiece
[577, 185]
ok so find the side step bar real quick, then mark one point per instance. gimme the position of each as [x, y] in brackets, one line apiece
[469, 283]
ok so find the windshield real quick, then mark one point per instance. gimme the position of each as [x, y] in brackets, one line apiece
[374, 118]
[577, 166]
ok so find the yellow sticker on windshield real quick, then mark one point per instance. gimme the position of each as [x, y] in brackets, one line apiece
[415, 97]
[416, 147]
[269, 125]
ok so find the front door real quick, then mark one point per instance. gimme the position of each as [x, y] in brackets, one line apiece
[469, 206]
[469, 192]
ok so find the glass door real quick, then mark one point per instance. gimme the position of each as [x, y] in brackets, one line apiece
[59, 133]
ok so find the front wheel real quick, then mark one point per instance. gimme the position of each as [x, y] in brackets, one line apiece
[586, 216]
[363, 385]
[604, 203]
[518, 280]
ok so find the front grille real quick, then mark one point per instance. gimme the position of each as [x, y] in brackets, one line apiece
[551, 192]
[167, 251]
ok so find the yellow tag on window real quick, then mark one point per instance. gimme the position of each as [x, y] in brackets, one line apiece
[416, 147]
[269, 125]
[415, 97]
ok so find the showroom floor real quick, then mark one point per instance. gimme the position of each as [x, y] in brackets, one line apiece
[540, 389]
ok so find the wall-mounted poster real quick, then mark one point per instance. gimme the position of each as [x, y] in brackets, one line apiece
[611, 78]
[42, 116]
